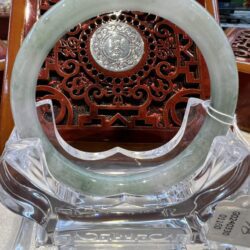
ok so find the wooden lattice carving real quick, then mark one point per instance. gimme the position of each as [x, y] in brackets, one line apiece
[150, 97]
[241, 44]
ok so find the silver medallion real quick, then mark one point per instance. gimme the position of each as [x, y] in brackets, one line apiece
[117, 46]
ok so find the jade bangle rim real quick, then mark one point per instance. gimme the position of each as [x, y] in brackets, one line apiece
[189, 16]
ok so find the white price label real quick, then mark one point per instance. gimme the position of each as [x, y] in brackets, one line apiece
[231, 223]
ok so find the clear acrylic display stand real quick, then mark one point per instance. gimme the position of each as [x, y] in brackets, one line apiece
[173, 217]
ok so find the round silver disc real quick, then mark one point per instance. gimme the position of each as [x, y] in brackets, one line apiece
[117, 46]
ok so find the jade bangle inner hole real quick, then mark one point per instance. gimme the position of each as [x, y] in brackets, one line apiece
[166, 48]
[120, 161]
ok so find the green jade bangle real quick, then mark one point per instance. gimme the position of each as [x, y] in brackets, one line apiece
[189, 16]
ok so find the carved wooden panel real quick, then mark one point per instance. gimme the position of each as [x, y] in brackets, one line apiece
[149, 98]
[241, 47]
[240, 41]
[46, 4]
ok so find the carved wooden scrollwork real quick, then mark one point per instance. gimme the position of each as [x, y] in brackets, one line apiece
[241, 45]
[46, 4]
[150, 96]
[240, 41]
